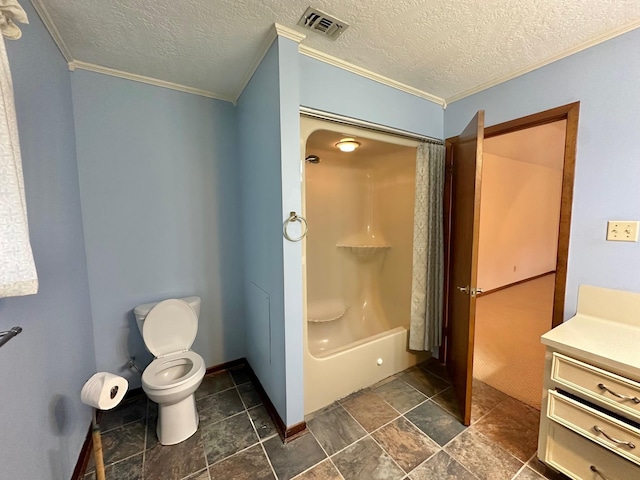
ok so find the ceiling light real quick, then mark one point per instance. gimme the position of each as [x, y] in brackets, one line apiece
[347, 144]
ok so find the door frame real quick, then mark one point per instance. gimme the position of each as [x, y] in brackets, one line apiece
[570, 113]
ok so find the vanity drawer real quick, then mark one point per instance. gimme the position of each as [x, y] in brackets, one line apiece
[582, 459]
[618, 393]
[609, 432]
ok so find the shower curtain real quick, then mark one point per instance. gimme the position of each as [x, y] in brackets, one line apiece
[17, 269]
[428, 250]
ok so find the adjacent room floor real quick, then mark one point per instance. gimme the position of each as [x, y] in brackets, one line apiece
[402, 428]
[508, 354]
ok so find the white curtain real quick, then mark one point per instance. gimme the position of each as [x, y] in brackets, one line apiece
[17, 268]
[428, 250]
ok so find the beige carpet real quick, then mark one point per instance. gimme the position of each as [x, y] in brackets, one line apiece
[508, 353]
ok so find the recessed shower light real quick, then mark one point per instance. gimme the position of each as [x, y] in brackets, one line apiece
[347, 144]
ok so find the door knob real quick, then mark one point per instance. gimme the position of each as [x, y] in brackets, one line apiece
[470, 291]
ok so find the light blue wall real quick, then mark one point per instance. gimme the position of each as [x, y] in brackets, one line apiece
[159, 190]
[259, 132]
[288, 66]
[605, 80]
[43, 369]
[331, 89]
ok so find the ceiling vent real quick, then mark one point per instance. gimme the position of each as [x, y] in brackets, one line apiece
[322, 23]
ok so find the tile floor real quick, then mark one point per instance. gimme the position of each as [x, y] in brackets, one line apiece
[402, 428]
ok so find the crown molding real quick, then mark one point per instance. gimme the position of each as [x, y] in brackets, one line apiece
[363, 72]
[275, 32]
[51, 27]
[289, 33]
[264, 48]
[78, 65]
[567, 53]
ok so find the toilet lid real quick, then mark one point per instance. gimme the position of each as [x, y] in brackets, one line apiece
[170, 327]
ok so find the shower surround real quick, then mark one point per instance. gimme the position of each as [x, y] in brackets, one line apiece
[358, 259]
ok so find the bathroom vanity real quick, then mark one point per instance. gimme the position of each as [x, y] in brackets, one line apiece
[590, 416]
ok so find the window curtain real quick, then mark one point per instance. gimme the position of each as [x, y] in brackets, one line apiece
[17, 268]
[428, 249]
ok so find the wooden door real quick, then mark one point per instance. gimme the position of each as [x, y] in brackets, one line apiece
[463, 258]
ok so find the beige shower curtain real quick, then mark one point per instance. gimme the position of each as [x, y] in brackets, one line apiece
[428, 249]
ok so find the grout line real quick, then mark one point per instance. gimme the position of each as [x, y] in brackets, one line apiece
[146, 433]
[273, 470]
[312, 415]
[204, 448]
[232, 455]
[465, 468]
[216, 393]
[499, 446]
[255, 429]
[389, 455]
[351, 445]
[371, 436]
[265, 439]
[206, 460]
[336, 467]
[519, 471]
[318, 463]
[426, 400]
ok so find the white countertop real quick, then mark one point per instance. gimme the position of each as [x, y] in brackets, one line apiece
[608, 342]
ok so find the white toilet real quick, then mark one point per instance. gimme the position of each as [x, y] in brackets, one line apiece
[169, 329]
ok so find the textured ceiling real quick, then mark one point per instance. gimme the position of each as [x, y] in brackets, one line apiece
[444, 48]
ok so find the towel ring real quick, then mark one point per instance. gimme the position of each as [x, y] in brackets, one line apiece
[294, 217]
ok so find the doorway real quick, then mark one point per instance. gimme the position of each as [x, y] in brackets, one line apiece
[517, 254]
[463, 191]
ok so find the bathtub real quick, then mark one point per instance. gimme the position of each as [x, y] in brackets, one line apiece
[355, 366]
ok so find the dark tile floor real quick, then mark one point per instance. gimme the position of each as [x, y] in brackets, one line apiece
[404, 427]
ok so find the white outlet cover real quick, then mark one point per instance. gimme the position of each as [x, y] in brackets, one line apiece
[622, 230]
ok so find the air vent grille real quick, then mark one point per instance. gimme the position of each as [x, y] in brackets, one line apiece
[322, 23]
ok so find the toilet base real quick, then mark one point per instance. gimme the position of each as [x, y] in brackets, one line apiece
[177, 421]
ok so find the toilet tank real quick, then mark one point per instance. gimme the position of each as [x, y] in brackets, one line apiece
[141, 311]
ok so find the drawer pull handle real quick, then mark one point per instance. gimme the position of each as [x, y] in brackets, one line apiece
[594, 469]
[602, 386]
[614, 440]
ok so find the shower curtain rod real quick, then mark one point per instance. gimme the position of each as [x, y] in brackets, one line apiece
[376, 127]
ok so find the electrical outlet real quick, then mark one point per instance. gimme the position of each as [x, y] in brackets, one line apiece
[622, 230]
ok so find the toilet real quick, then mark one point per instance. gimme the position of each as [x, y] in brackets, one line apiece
[169, 329]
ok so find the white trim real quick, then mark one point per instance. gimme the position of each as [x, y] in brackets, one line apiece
[376, 127]
[266, 45]
[567, 53]
[363, 72]
[275, 32]
[289, 33]
[73, 65]
[53, 31]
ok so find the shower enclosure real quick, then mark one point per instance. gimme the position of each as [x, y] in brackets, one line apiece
[358, 258]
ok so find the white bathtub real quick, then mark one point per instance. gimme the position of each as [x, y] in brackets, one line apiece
[355, 366]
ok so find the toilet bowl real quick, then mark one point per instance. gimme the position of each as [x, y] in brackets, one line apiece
[169, 329]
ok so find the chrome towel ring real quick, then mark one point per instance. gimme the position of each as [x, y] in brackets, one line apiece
[294, 217]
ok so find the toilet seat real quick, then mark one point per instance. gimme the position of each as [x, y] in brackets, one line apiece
[171, 326]
[152, 376]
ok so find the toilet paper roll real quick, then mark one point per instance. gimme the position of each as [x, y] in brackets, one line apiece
[104, 390]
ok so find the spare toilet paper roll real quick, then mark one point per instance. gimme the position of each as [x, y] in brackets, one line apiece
[104, 390]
